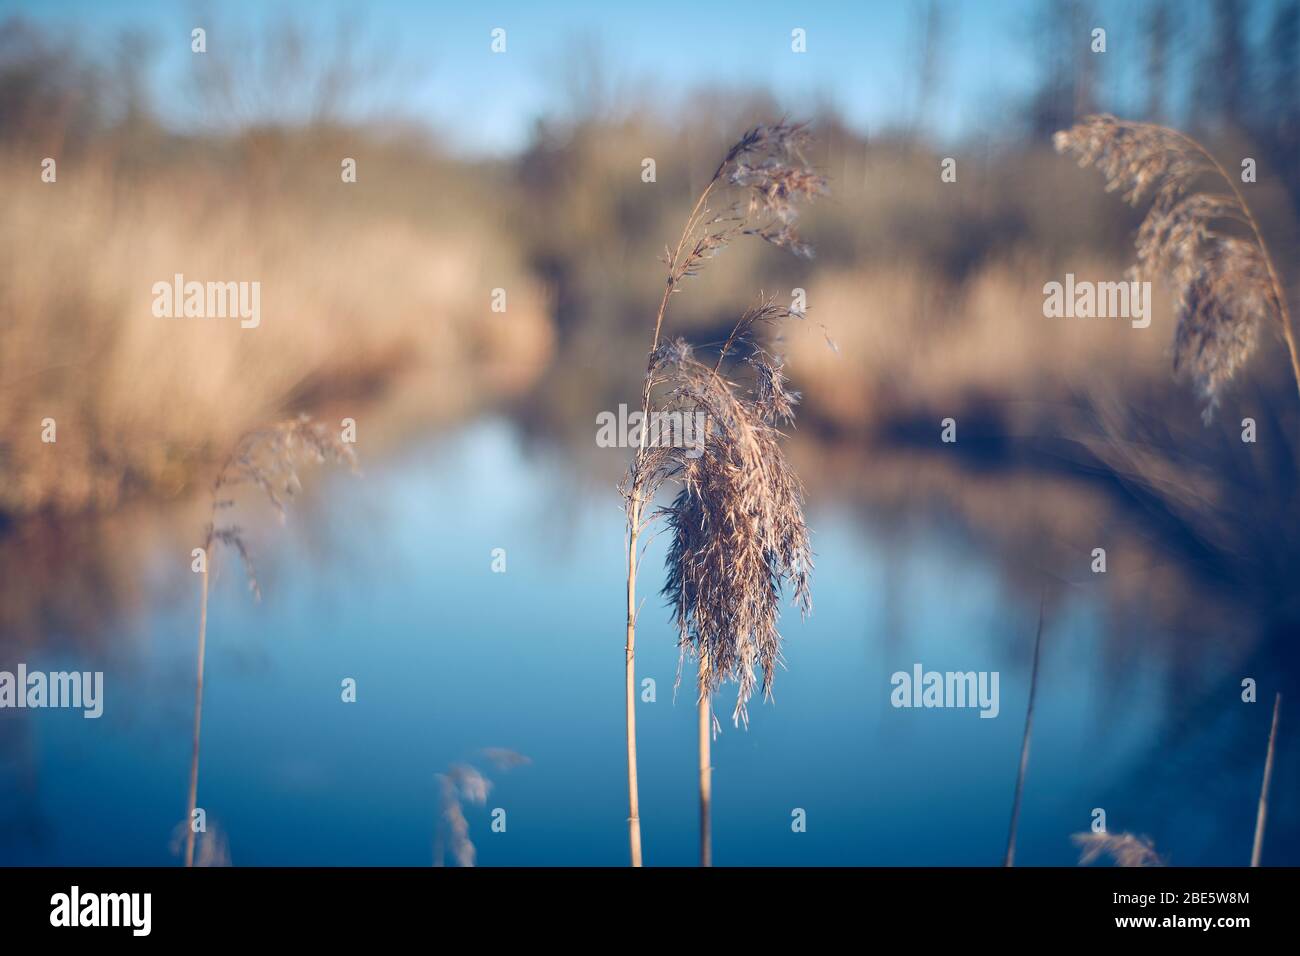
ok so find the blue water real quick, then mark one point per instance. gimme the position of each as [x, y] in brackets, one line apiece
[387, 579]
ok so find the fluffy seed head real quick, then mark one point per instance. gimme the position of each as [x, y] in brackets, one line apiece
[1218, 271]
[268, 458]
[1124, 848]
[737, 525]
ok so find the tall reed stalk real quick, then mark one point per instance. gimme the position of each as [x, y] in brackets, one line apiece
[192, 800]
[706, 769]
[629, 661]
[738, 521]
[266, 458]
[1261, 815]
[1010, 858]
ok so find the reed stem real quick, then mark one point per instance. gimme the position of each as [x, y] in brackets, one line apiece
[634, 531]
[198, 718]
[1262, 813]
[629, 652]
[1010, 859]
[706, 768]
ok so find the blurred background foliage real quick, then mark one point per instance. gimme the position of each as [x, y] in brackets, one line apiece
[376, 301]
[377, 294]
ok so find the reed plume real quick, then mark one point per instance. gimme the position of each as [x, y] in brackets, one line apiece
[1204, 242]
[465, 783]
[267, 459]
[737, 526]
[1124, 848]
[461, 782]
[737, 522]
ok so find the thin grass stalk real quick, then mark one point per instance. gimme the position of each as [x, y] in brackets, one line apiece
[629, 646]
[633, 537]
[1262, 813]
[629, 650]
[192, 803]
[198, 718]
[706, 767]
[263, 457]
[1010, 859]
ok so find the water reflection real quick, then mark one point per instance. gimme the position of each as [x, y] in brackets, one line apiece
[388, 580]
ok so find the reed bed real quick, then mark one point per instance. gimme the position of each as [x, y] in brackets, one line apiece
[359, 307]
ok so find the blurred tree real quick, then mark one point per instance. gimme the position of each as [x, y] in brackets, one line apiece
[1284, 64]
[930, 30]
[1281, 129]
[50, 94]
[1228, 77]
[1157, 66]
[1067, 85]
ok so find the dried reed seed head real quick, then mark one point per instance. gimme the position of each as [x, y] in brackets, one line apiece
[774, 188]
[768, 165]
[232, 537]
[1134, 158]
[268, 458]
[1221, 308]
[774, 401]
[1124, 848]
[737, 526]
[784, 140]
[1222, 283]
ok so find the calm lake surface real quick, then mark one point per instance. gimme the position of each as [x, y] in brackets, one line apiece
[387, 579]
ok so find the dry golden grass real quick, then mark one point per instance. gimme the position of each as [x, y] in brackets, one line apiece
[913, 343]
[352, 310]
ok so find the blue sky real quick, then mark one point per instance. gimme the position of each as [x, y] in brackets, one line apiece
[862, 57]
